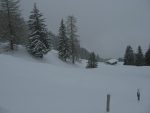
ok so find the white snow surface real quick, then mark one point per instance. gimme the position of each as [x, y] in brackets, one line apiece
[29, 85]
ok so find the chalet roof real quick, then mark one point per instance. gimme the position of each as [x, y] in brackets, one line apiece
[111, 61]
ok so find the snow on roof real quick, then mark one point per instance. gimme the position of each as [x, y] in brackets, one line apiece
[112, 61]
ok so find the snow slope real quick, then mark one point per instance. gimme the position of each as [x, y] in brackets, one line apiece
[50, 58]
[28, 85]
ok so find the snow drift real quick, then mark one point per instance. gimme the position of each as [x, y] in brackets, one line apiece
[28, 85]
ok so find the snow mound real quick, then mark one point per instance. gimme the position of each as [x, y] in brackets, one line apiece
[50, 58]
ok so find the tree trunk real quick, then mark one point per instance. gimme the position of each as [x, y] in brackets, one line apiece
[11, 45]
[73, 59]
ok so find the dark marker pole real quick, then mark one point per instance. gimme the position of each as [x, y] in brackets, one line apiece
[108, 103]
[138, 94]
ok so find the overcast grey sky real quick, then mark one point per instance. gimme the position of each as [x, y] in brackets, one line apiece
[104, 26]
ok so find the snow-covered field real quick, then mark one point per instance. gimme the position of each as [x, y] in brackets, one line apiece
[29, 85]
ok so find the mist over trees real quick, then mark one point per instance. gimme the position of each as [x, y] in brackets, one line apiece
[54, 40]
[84, 54]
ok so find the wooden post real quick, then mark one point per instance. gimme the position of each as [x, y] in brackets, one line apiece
[108, 103]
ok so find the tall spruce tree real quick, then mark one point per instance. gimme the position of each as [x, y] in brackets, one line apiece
[139, 60]
[39, 41]
[77, 50]
[73, 41]
[13, 27]
[147, 57]
[92, 61]
[129, 57]
[63, 47]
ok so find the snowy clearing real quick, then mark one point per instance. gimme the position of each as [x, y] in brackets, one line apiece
[28, 85]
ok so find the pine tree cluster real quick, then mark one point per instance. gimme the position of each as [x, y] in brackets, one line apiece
[35, 35]
[92, 61]
[147, 57]
[129, 56]
[138, 58]
[68, 44]
[39, 41]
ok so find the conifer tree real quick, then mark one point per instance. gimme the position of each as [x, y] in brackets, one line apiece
[12, 24]
[39, 41]
[147, 57]
[63, 47]
[77, 50]
[92, 61]
[129, 58]
[139, 60]
[73, 41]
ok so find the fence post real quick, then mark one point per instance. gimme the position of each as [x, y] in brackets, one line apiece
[108, 103]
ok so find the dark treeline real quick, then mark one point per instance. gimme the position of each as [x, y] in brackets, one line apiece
[136, 58]
[36, 37]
